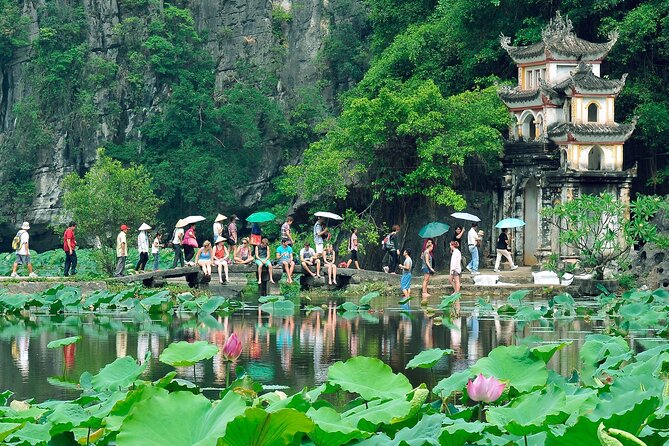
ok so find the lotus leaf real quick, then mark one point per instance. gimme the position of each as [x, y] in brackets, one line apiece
[448, 301]
[425, 432]
[515, 297]
[457, 381]
[259, 428]
[369, 416]
[118, 375]
[68, 416]
[349, 306]
[368, 377]
[459, 432]
[601, 353]
[530, 413]
[14, 302]
[213, 304]
[31, 434]
[546, 351]
[514, 364]
[7, 428]
[367, 298]
[186, 353]
[63, 342]
[279, 308]
[179, 419]
[331, 430]
[428, 358]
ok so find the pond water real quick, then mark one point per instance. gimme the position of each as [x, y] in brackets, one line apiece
[293, 351]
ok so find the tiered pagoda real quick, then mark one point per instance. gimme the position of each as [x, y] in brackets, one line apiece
[564, 140]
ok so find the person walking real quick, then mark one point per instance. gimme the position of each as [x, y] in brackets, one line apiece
[218, 226]
[70, 246]
[155, 250]
[393, 249]
[121, 251]
[232, 232]
[503, 244]
[353, 249]
[189, 243]
[177, 237]
[406, 267]
[320, 232]
[221, 259]
[21, 244]
[473, 241]
[456, 266]
[285, 231]
[142, 247]
[330, 261]
[426, 266]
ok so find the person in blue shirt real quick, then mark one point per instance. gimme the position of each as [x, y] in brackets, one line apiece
[285, 255]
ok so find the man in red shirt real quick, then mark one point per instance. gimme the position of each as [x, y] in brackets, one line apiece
[69, 246]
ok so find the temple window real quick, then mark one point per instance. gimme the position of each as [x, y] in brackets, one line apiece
[596, 158]
[593, 111]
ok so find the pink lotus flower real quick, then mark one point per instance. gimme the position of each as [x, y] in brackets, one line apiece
[485, 389]
[232, 348]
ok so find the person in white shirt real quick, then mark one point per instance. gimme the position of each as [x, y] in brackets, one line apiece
[308, 258]
[176, 246]
[23, 251]
[121, 251]
[473, 245]
[155, 250]
[142, 247]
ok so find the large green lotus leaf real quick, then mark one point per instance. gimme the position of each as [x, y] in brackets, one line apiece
[448, 301]
[7, 428]
[457, 381]
[579, 401]
[425, 432]
[63, 342]
[546, 351]
[367, 298]
[530, 413]
[259, 428]
[14, 301]
[584, 432]
[370, 378]
[601, 353]
[629, 401]
[428, 358]
[460, 432]
[98, 297]
[158, 302]
[375, 440]
[348, 306]
[369, 416]
[528, 313]
[280, 308]
[186, 353]
[179, 419]
[515, 297]
[331, 430]
[515, 365]
[120, 374]
[31, 434]
[617, 437]
[213, 304]
[125, 405]
[68, 416]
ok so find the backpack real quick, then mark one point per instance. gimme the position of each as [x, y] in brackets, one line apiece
[16, 241]
[385, 244]
[225, 233]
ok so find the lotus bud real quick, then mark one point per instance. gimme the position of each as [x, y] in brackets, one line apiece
[232, 348]
[485, 389]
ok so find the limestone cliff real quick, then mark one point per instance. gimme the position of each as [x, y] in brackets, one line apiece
[237, 33]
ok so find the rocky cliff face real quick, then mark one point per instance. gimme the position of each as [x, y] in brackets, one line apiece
[236, 33]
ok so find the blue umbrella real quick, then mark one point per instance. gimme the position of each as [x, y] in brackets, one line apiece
[434, 229]
[510, 223]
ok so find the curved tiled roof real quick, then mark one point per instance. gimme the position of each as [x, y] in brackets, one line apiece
[583, 79]
[591, 129]
[558, 38]
[509, 94]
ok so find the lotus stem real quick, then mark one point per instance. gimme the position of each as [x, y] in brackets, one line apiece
[481, 413]
[227, 373]
[88, 436]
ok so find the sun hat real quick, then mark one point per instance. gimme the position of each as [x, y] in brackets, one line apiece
[144, 227]
[220, 239]
[25, 226]
[124, 228]
[220, 217]
[180, 223]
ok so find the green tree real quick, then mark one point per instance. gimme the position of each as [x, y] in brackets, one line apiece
[13, 29]
[107, 196]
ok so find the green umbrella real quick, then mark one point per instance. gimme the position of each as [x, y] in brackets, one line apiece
[260, 217]
[434, 229]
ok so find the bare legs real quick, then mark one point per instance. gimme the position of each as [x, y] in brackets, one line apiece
[288, 267]
[206, 267]
[332, 273]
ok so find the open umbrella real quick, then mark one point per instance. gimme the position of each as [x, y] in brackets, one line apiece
[180, 223]
[465, 216]
[329, 215]
[434, 229]
[192, 219]
[510, 223]
[260, 217]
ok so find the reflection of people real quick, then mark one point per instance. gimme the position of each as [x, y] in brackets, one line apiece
[405, 281]
[503, 250]
[472, 243]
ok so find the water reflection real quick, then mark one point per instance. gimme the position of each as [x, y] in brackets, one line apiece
[295, 351]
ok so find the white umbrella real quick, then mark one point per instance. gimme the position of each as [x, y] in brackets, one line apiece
[180, 223]
[192, 219]
[329, 215]
[465, 216]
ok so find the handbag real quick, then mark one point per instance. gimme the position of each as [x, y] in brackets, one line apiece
[255, 239]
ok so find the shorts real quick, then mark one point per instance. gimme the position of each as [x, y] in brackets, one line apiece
[426, 270]
[222, 261]
[319, 248]
[23, 259]
[266, 263]
[456, 273]
[354, 255]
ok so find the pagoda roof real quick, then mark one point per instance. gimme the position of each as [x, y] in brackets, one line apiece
[558, 41]
[515, 97]
[590, 132]
[583, 80]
